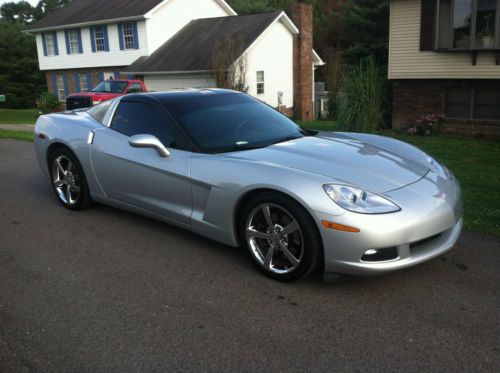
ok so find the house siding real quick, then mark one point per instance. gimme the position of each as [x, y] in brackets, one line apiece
[406, 61]
[273, 54]
[88, 59]
[167, 20]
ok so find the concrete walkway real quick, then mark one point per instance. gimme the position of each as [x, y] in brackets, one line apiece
[18, 127]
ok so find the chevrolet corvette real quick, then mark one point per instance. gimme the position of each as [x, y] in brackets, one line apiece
[224, 165]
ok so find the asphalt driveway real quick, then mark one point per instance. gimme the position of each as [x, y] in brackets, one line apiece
[105, 290]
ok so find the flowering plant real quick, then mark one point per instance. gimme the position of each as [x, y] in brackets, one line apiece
[426, 125]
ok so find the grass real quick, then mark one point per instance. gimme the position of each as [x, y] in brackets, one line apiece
[17, 135]
[476, 163]
[13, 116]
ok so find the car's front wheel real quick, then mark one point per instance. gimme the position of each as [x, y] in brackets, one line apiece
[281, 237]
[68, 180]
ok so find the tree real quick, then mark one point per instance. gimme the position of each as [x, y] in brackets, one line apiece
[366, 30]
[20, 12]
[229, 65]
[45, 7]
[20, 78]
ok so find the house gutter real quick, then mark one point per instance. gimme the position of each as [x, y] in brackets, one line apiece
[84, 24]
[167, 72]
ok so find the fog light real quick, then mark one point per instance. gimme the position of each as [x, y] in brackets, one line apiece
[380, 255]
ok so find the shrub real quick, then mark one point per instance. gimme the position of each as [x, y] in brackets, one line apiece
[47, 103]
[426, 125]
[361, 104]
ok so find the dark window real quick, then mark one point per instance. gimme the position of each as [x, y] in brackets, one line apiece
[467, 24]
[473, 102]
[137, 118]
[135, 88]
[231, 122]
[99, 112]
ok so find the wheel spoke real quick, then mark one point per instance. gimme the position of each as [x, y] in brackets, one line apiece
[68, 194]
[268, 261]
[60, 167]
[256, 234]
[292, 227]
[59, 183]
[267, 215]
[289, 255]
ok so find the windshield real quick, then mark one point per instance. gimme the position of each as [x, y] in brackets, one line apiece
[231, 122]
[111, 86]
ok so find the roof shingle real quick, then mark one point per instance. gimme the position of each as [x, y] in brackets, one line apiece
[86, 11]
[191, 49]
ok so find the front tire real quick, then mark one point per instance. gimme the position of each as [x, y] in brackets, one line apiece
[281, 237]
[68, 180]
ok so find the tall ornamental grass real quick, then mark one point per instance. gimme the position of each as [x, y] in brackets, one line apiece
[361, 102]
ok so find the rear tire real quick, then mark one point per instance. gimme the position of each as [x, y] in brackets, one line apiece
[68, 180]
[281, 237]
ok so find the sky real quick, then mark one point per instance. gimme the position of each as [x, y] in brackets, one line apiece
[32, 2]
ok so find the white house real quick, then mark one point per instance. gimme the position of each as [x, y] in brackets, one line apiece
[170, 43]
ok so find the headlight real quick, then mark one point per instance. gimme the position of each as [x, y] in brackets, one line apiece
[358, 200]
[96, 102]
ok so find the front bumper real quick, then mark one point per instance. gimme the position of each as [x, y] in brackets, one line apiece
[428, 225]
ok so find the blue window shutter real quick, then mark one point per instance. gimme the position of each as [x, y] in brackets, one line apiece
[106, 40]
[120, 36]
[116, 74]
[100, 76]
[80, 45]
[54, 84]
[66, 36]
[77, 82]
[92, 39]
[44, 44]
[136, 35]
[65, 80]
[56, 46]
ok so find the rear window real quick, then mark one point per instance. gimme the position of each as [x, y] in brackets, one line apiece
[99, 112]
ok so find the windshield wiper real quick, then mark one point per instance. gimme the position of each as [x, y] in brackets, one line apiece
[241, 147]
[285, 139]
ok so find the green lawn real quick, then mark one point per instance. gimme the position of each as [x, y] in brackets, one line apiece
[476, 163]
[18, 135]
[12, 116]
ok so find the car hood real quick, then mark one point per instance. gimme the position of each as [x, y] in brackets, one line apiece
[343, 159]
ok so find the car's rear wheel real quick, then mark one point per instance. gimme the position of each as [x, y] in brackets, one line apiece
[68, 180]
[281, 237]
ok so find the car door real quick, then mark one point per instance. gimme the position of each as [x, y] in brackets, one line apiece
[140, 176]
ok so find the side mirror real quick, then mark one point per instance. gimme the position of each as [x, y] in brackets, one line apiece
[149, 141]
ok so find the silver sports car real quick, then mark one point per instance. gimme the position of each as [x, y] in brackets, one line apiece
[226, 166]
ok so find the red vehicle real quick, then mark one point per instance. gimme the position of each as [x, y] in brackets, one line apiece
[104, 91]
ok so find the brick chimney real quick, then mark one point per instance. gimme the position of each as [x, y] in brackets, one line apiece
[302, 17]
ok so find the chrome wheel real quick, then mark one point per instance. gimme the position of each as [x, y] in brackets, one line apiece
[66, 180]
[275, 238]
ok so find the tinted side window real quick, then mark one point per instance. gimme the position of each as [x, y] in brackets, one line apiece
[137, 118]
[134, 88]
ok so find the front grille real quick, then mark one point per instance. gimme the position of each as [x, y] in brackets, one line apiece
[73, 103]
